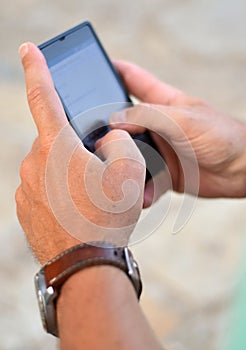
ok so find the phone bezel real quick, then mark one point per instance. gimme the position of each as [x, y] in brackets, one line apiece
[110, 64]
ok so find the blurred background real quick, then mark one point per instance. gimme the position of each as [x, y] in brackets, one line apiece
[193, 293]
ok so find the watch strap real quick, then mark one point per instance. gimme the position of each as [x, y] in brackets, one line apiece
[53, 274]
[59, 269]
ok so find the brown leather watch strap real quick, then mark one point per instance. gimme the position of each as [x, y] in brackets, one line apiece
[59, 269]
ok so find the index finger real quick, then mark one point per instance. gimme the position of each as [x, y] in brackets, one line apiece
[117, 145]
[145, 86]
[43, 100]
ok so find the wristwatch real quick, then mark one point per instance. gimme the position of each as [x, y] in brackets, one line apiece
[50, 278]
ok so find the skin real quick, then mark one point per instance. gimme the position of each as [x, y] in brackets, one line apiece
[219, 141]
[44, 232]
[98, 309]
[89, 309]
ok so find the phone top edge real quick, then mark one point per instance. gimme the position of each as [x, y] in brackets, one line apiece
[67, 32]
[90, 26]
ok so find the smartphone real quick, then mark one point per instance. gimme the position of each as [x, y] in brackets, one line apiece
[90, 88]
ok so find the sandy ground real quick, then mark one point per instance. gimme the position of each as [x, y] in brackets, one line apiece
[189, 278]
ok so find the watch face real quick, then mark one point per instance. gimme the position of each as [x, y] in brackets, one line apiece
[133, 271]
[40, 286]
[46, 297]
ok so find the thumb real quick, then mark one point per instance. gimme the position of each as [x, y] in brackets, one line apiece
[44, 102]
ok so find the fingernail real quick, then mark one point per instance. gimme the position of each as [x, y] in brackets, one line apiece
[23, 49]
[118, 117]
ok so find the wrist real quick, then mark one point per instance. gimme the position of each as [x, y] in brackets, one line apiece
[89, 298]
[93, 282]
[53, 276]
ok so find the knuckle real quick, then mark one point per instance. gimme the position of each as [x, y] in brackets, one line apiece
[41, 147]
[35, 95]
[25, 168]
[29, 172]
[44, 149]
[18, 195]
[139, 159]
[48, 140]
[117, 134]
[140, 114]
[139, 108]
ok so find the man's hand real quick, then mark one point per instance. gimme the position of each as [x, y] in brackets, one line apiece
[178, 121]
[68, 195]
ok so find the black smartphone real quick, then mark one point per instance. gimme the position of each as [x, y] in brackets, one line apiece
[90, 88]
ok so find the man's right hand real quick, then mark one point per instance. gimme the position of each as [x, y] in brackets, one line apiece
[218, 141]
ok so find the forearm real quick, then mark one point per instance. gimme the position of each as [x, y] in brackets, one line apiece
[98, 309]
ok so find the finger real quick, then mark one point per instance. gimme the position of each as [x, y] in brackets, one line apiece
[128, 120]
[43, 100]
[156, 187]
[118, 145]
[148, 194]
[123, 161]
[136, 119]
[160, 119]
[146, 86]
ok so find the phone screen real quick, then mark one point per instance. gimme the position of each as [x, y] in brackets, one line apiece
[89, 87]
[84, 77]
